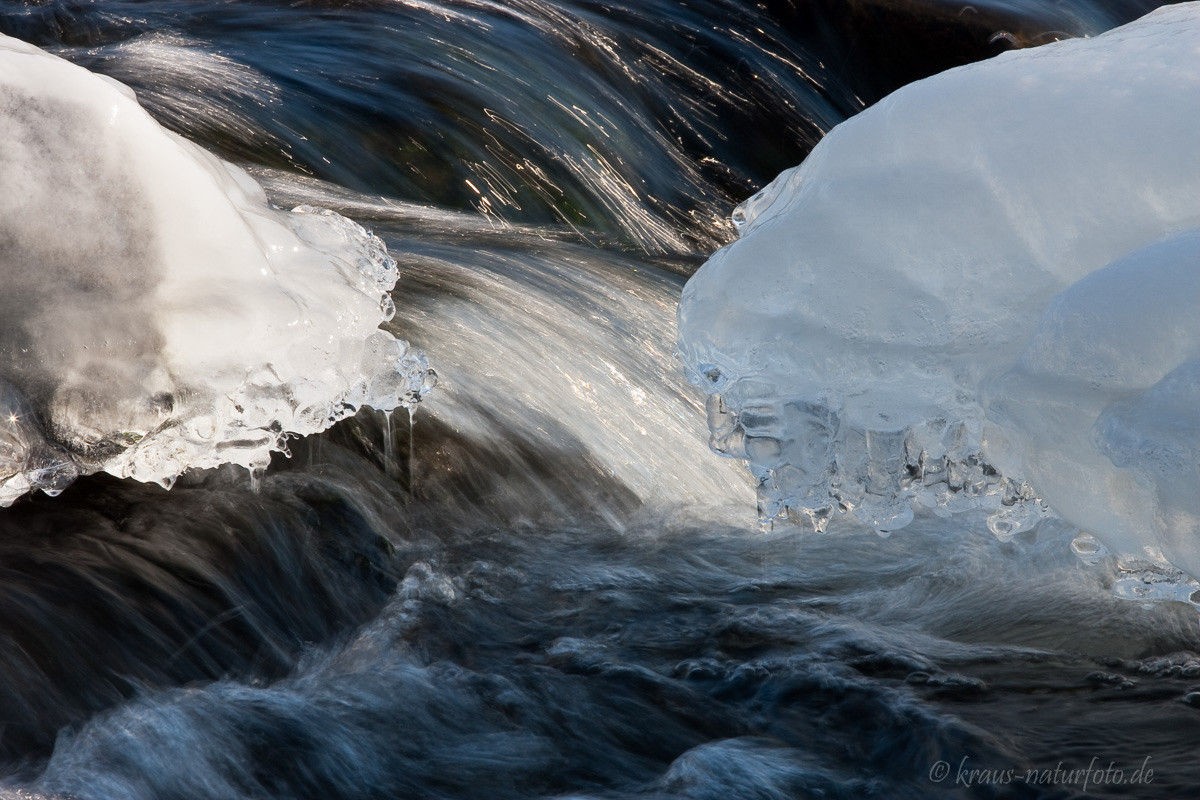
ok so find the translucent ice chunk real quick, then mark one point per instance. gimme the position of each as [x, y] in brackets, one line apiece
[909, 259]
[1102, 410]
[157, 313]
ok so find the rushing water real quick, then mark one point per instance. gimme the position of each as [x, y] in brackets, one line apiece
[543, 583]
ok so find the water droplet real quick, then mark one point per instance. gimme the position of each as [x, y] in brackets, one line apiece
[256, 479]
[387, 307]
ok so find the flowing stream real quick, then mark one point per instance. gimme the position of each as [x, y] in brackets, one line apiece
[541, 582]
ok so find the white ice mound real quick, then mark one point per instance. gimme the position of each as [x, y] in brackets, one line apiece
[157, 314]
[846, 337]
[1101, 411]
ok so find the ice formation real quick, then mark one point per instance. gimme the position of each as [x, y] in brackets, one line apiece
[923, 310]
[158, 314]
[1101, 411]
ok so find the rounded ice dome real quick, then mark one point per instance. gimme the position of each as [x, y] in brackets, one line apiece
[158, 314]
[1100, 410]
[847, 337]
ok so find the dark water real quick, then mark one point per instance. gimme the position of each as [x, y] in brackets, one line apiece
[545, 586]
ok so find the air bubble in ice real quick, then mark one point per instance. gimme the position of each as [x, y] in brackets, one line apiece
[1088, 548]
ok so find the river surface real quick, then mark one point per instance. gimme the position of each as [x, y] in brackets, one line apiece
[542, 583]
